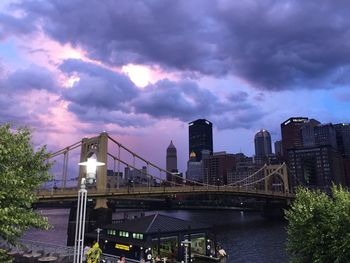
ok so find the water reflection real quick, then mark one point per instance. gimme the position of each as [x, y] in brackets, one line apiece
[246, 236]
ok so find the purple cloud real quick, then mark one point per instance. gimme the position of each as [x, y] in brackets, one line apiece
[105, 96]
[273, 45]
[98, 87]
[31, 78]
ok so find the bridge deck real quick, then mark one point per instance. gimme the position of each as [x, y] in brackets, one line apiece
[110, 193]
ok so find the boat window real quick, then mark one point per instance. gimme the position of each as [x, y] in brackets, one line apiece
[123, 234]
[137, 236]
[111, 232]
[168, 247]
[198, 243]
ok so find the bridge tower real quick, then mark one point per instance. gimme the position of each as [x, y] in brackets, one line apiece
[98, 146]
[277, 171]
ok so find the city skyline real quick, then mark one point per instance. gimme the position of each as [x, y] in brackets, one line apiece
[143, 70]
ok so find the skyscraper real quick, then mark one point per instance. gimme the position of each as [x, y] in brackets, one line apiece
[171, 158]
[325, 135]
[171, 161]
[291, 133]
[343, 143]
[200, 137]
[316, 167]
[194, 169]
[262, 141]
[308, 133]
[278, 148]
[343, 138]
[217, 166]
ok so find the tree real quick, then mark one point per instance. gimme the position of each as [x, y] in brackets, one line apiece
[22, 170]
[319, 226]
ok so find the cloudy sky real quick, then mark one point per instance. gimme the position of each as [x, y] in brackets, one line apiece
[141, 70]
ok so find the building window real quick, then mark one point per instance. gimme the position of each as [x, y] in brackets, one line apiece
[111, 232]
[123, 234]
[137, 236]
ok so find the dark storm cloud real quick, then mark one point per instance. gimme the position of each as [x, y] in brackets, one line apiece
[26, 96]
[239, 119]
[186, 101]
[11, 25]
[97, 87]
[281, 44]
[238, 96]
[271, 44]
[182, 100]
[101, 115]
[120, 32]
[15, 110]
[31, 78]
[104, 96]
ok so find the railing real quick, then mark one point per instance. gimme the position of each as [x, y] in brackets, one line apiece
[148, 191]
[107, 258]
[64, 251]
[48, 248]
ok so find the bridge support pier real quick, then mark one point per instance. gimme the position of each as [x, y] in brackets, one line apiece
[95, 218]
[274, 209]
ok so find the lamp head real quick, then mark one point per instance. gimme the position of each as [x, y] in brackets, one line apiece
[91, 165]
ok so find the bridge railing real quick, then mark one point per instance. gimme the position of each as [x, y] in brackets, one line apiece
[155, 190]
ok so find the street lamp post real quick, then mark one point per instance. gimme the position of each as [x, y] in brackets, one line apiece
[91, 165]
[186, 244]
[98, 230]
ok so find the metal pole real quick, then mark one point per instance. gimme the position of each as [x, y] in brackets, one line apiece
[148, 176]
[114, 173]
[133, 171]
[98, 235]
[80, 224]
[118, 167]
[65, 168]
[186, 243]
[206, 169]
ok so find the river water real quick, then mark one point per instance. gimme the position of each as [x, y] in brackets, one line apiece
[246, 236]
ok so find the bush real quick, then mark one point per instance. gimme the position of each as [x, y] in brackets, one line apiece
[319, 226]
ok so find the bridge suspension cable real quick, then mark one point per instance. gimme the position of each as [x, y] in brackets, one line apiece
[246, 178]
[134, 159]
[62, 151]
[149, 163]
[265, 177]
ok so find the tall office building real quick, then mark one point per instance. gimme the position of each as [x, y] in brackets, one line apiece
[325, 135]
[194, 169]
[316, 167]
[343, 138]
[171, 161]
[343, 143]
[291, 133]
[308, 133]
[278, 148]
[262, 141]
[217, 166]
[200, 137]
[171, 158]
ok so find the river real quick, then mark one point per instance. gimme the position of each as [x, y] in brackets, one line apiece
[246, 236]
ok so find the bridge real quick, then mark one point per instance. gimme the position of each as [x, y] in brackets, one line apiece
[142, 178]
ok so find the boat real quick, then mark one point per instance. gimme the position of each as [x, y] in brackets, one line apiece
[158, 235]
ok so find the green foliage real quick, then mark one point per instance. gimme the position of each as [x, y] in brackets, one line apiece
[22, 170]
[319, 226]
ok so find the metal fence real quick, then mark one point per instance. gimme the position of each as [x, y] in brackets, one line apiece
[65, 251]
